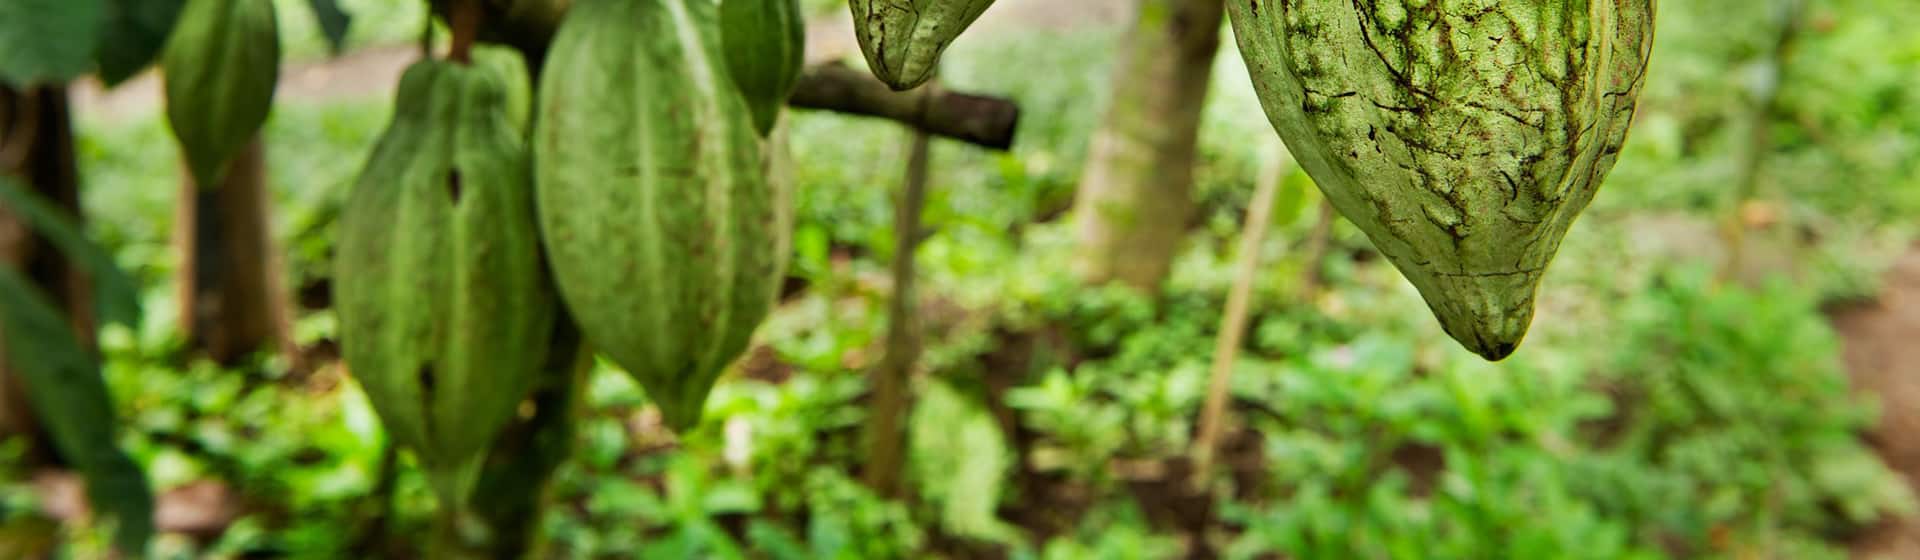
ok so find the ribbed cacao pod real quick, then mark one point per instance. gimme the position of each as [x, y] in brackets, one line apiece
[903, 39]
[507, 63]
[444, 305]
[1464, 138]
[765, 42]
[661, 227]
[220, 66]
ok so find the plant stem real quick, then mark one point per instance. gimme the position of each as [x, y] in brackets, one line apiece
[464, 21]
[1233, 324]
[1766, 95]
[885, 436]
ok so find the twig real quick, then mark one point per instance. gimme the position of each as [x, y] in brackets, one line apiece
[1233, 324]
[984, 121]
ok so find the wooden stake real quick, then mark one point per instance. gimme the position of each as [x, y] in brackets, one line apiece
[1233, 324]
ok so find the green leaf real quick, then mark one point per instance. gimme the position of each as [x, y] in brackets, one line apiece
[333, 23]
[945, 425]
[135, 31]
[116, 295]
[62, 380]
[47, 41]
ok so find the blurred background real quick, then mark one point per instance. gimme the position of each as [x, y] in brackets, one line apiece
[1725, 364]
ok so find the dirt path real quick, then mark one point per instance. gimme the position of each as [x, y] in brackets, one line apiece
[1882, 351]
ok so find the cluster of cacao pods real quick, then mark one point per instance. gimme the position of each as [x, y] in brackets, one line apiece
[1464, 138]
[651, 202]
[439, 285]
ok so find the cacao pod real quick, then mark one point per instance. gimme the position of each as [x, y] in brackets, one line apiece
[444, 305]
[661, 227]
[221, 65]
[507, 63]
[1464, 137]
[903, 39]
[765, 43]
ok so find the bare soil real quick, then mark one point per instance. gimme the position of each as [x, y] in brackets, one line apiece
[1881, 343]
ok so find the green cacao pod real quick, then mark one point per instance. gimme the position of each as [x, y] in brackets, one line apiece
[765, 43]
[220, 66]
[661, 226]
[507, 63]
[903, 39]
[444, 305]
[1463, 136]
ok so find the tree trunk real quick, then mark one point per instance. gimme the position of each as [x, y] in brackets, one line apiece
[231, 300]
[1135, 193]
[36, 144]
[886, 433]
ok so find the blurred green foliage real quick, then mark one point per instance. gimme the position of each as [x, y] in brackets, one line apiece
[1654, 413]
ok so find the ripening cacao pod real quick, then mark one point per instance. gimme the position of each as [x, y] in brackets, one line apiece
[1463, 136]
[221, 65]
[661, 226]
[444, 305]
[903, 39]
[765, 42]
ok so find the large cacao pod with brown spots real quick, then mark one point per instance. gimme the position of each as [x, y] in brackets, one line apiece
[1463, 136]
[444, 305]
[664, 232]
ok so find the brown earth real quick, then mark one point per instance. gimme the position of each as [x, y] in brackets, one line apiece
[1882, 350]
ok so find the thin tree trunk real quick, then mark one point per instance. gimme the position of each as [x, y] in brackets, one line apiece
[1233, 324]
[232, 302]
[886, 436]
[36, 145]
[1313, 273]
[1766, 95]
[1136, 191]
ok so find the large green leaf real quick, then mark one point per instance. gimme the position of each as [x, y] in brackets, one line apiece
[333, 23]
[47, 41]
[136, 30]
[116, 295]
[70, 399]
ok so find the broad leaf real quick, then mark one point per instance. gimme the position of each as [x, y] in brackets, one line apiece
[946, 425]
[333, 23]
[47, 41]
[116, 295]
[62, 381]
[136, 31]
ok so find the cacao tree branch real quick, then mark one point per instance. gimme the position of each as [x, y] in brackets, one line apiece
[976, 119]
[989, 122]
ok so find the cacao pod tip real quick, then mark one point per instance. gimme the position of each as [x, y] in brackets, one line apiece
[1489, 315]
[903, 85]
[681, 417]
